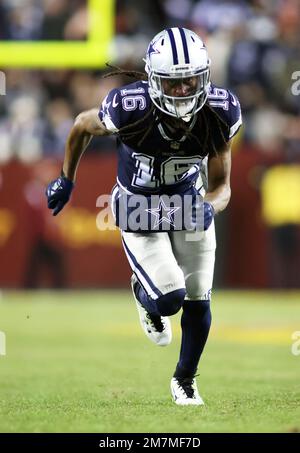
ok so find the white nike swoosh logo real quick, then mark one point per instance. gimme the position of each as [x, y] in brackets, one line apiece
[114, 103]
[233, 100]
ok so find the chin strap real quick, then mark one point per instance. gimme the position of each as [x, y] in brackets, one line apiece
[188, 106]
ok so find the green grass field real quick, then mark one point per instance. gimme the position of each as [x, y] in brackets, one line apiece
[79, 362]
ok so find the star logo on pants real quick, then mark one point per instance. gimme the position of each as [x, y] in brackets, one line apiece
[163, 213]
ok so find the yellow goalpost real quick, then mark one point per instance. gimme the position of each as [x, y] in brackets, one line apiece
[91, 53]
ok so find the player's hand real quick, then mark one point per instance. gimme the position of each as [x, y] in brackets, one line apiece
[209, 214]
[58, 193]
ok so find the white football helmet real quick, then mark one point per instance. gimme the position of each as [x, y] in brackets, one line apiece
[178, 56]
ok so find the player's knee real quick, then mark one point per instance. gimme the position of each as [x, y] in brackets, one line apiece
[170, 303]
[198, 285]
[198, 292]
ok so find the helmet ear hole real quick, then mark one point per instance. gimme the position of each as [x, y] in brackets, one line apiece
[177, 53]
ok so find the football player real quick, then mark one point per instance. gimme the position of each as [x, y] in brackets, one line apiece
[174, 129]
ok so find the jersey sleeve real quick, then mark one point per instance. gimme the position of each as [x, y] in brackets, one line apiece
[227, 107]
[110, 112]
[124, 106]
[235, 115]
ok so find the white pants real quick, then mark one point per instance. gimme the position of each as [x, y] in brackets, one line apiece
[164, 262]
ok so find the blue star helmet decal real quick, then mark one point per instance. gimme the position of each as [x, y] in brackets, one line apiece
[151, 49]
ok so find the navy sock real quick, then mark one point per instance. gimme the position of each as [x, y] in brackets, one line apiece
[195, 325]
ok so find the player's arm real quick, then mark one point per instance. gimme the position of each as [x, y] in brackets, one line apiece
[85, 126]
[219, 168]
[218, 194]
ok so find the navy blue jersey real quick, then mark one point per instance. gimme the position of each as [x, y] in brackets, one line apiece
[153, 156]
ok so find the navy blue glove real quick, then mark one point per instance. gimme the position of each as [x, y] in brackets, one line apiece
[58, 193]
[209, 214]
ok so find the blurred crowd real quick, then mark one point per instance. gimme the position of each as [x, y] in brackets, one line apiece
[43, 19]
[254, 46]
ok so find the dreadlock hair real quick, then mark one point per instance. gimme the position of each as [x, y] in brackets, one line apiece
[130, 73]
[206, 116]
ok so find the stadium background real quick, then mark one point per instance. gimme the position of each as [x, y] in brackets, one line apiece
[53, 54]
[77, 360]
